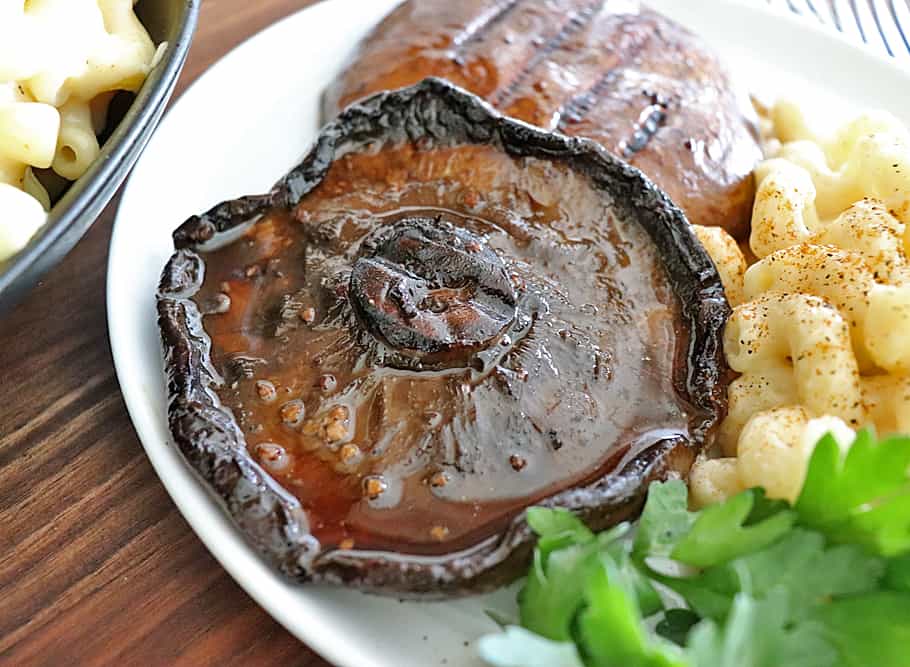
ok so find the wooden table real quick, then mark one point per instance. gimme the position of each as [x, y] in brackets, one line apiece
[96, 564]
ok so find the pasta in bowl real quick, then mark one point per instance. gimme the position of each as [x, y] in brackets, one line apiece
[63, 64]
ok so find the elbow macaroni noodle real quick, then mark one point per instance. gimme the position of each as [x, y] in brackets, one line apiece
[60, 60]
[789, 348]
[820, 331]
[774, 451]
[731, 264]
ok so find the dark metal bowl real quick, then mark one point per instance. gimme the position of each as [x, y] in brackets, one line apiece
[172, 21]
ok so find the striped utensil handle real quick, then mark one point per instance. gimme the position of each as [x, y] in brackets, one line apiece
[882, 24]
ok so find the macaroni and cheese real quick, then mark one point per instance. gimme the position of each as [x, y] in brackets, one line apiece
[60, 60]
[819, 333]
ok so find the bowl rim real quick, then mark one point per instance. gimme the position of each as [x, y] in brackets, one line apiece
[70, 218]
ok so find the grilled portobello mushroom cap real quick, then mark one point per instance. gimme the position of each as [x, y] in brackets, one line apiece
[648, 90]
[440, 317]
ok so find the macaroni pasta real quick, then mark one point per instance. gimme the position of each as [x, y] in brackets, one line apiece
[59, 62]
[820, 332]
[773, 452]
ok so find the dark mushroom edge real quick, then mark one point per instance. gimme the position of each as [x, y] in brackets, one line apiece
[272, 518]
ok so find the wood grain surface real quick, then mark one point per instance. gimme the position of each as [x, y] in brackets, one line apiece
[97, 566]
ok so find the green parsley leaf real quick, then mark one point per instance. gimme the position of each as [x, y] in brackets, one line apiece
[566, 556]
[814, 573]
[709, 594]
[721, 533]
[556, 529]
[566, 551]
[764, 507]
[617, 549]
[664, 520]
[757, 635]
[548, 522]
[862, 497]
[609, 629]
[649, 601]
[555, 589]
[871, 630]
[897, 578]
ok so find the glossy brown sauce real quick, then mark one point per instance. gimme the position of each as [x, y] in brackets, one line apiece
[492, 396]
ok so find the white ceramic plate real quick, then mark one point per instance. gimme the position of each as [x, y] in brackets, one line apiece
[220, 141]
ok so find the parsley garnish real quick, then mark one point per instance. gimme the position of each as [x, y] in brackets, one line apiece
[825, 583]
[862, 497]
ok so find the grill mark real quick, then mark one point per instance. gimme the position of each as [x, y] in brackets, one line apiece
[650, 119]
[478, 28]
[576, 23]
[575, 110]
